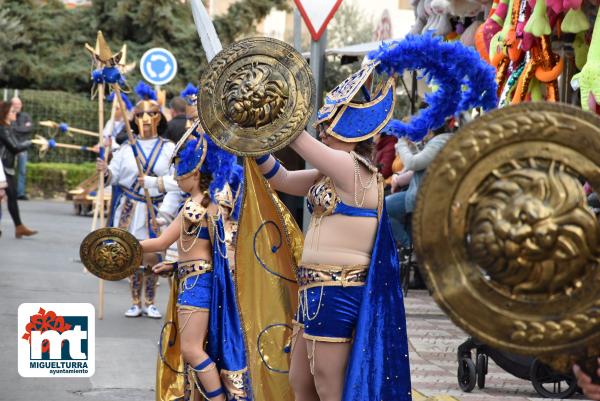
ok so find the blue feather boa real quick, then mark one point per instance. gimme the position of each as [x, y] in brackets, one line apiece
[451, 66]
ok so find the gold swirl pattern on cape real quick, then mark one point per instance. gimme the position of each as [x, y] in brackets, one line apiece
[170, 367]
[268, 249]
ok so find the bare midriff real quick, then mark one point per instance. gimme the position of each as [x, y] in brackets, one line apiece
[342, 240]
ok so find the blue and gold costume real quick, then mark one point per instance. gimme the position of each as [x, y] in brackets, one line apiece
[330, 296]
[203, 285]
[362, 304]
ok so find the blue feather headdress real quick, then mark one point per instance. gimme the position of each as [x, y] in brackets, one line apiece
[190, 94]
[464, 80]
[126, 100]
[199, 152]
[145, 91]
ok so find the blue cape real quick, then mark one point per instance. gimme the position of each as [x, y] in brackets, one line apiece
[226, 345]
[378, 368]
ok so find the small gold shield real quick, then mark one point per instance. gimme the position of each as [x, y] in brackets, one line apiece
[111, 253]
[256, 96]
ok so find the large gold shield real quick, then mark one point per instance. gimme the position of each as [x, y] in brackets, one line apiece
[256, 96]
[111, 253]
[505, 237]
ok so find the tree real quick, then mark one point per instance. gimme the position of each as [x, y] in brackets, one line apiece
[11, 35]
[45, 57]
[55, 57]
[348, 27]
[241, 17]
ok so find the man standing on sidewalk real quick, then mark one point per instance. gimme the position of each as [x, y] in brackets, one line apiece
[22, 127]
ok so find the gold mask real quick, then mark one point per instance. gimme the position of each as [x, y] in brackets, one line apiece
[147, 112]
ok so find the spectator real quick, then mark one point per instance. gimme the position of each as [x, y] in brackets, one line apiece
[400, 204]
[591, 390]
[9, 148]
[177, 126]
[3, 186]
[22, 127]
[385, 152]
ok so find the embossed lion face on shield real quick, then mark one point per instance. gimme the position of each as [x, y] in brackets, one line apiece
[256, 96]
[505, 237]
[530, 229]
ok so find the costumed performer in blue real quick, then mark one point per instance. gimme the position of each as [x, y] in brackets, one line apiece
[206, 305]
[129, 210]
[352, 341]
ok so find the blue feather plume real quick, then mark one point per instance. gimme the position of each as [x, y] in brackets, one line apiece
[189, 91]
[218, 163]
[451, 66]
[126, 100]
[236, 182]
[145, 91]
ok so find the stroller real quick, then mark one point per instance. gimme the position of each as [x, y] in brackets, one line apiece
[546, 382]
[410, 274]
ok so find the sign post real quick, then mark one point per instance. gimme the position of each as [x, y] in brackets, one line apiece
[316, 16]
[158, 66]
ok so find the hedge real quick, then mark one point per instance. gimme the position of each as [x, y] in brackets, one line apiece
[54, 180]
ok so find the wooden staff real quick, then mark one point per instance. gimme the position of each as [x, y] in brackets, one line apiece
[45, 145]
[100, 198]
[53, 124]
[106, 155]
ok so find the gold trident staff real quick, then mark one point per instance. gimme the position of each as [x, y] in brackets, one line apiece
[111, 75]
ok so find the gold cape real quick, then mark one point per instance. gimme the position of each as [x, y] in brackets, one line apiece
[269, 246]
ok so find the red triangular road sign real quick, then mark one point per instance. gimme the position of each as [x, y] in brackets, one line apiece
[317, 14]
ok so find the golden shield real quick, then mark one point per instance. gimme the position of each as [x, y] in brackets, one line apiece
[111, 253]
[504, 234]
[256, 96]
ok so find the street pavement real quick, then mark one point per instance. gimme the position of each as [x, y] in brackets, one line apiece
[46, 268]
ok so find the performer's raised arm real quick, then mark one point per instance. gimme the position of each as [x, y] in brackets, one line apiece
[281, 179]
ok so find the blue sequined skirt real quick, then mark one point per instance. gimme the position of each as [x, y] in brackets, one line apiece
[195, 284]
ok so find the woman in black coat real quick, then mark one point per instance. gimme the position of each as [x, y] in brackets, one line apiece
[9, 147]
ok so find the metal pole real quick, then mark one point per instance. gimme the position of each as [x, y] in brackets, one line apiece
[317, 66]
[414, 92]
[297, 30]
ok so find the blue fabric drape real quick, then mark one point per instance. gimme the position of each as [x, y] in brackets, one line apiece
[117, 192]
[225, 338]
[378, 368]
